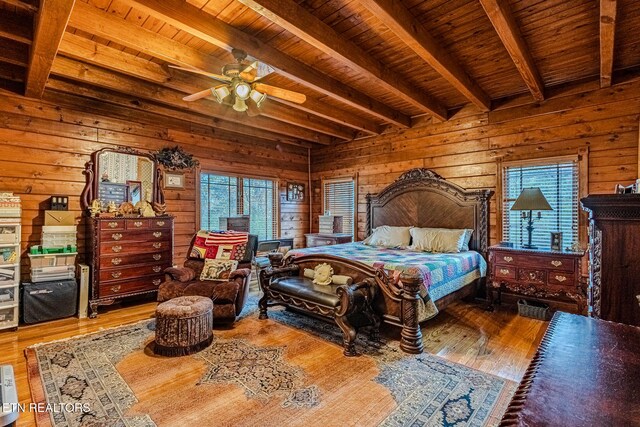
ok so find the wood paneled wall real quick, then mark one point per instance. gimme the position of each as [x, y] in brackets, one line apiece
[466, 148]
[44, 146]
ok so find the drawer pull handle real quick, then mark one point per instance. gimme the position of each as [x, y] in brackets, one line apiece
[157, 234]
[115, 289]
[157, 245]
[116, 248]
[138, 224]
[561, 279]
[532, 275]
[116, 274]
[116, 236]
[112, 224]
[504, 271]
[556, 263]
[159, 223]
[156, 282]
[508, 258]
[157, 257]
[157, 269]
[116, 261]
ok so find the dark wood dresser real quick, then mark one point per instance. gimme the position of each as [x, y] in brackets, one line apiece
[325, 239]
[614, 257]
[537, 273]
[128, 257]
[585, 373]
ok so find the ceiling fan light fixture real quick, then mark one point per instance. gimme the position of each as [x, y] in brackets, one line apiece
[242, 90]
[220, 93]
[240, 105]
[258, 97]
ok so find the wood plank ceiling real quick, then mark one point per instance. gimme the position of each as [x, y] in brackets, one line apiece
[365, 65]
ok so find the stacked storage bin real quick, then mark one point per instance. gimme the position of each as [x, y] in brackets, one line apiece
[10, 233]
[55, 258]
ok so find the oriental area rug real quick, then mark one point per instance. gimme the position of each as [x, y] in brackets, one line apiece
[285, 371]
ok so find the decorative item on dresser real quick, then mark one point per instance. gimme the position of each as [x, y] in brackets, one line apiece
[127, 253]
[614, 241]
[325, 239]
[536, 273]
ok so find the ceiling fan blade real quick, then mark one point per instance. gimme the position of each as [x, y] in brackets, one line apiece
[204, 73]
[197, 95]
[255, 71]
[278, 92]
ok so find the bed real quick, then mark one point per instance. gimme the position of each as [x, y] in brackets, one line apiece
[415, 285]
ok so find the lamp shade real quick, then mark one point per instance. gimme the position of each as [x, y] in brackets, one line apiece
[531, 199]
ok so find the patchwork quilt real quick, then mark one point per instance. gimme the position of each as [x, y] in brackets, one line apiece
[442, 274]
[230, 245]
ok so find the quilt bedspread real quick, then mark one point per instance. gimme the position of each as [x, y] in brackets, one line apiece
[442, 274]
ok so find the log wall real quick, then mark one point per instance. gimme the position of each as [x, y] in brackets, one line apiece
[466, 148]
[44, 146]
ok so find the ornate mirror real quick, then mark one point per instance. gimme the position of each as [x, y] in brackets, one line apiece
[122, 175]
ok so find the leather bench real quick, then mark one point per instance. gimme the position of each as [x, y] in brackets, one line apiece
[348, 305]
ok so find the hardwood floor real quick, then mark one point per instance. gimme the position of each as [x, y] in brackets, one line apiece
[500, 343]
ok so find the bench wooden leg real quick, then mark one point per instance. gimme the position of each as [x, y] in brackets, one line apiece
[349, 335]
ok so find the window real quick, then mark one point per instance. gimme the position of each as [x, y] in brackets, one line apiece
[558, 181]
[222, 195]
[339, 199]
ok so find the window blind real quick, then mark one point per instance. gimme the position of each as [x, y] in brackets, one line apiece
[558, 181]
[222, 195]
[339, 199]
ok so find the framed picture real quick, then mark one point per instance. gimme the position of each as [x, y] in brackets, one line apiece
[295, 191]
[173, 180]
[556, 241]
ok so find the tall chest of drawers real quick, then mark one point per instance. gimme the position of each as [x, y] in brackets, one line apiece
[128, 257]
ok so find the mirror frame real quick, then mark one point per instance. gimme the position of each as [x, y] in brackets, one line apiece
[91, 171]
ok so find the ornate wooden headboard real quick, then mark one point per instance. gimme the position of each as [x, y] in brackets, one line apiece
[422, 198]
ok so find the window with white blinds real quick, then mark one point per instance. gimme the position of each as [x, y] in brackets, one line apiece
[222, 195]
[558, 181]
[340, 199]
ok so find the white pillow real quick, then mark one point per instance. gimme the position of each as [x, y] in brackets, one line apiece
[439, 240]
[389, 237]
[467, 239]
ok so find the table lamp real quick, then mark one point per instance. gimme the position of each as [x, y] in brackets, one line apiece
[531, 199]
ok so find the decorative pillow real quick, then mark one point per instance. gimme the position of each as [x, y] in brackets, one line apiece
[218, 269]
[438, 239]
[219, 245]
[467, 239]
[322, 274]
[389, 237]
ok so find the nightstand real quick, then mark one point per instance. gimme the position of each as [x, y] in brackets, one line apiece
[536, 273]
[325, 239]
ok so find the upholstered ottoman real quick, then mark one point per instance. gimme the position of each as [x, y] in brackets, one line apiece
[183, 325]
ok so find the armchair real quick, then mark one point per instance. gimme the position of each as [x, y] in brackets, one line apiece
[228, 297]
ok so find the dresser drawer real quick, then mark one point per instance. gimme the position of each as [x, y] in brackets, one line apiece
[134, 235]
[504, 272]
[119, 273]
[137, 224]
[160, 223]
[149, 283]
[561, 278]
[112, 224]
[530, 275]
[122, 260]
[320, 241]
[109, 248]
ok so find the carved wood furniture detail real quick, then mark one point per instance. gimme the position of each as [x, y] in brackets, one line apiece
[537, 274]
[614, 241]
[350, 306]
[128, 258]
[325, 239]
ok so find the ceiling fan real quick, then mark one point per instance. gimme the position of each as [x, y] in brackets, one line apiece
[241, 84]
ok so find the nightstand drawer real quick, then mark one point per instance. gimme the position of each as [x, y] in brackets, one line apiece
[504, 272]
[552, 262]
[530, 275]
[561, 278]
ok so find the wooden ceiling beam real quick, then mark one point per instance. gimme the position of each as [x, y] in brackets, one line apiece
[608, 12]
[108, 26]
[399, 19]
[51, 21]
[14, 54]
[298, 21]
[194, 21]
[507, 29]
[11, 72]
[88, 51]
[23, 5]
[90, 74]
[16, 28]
